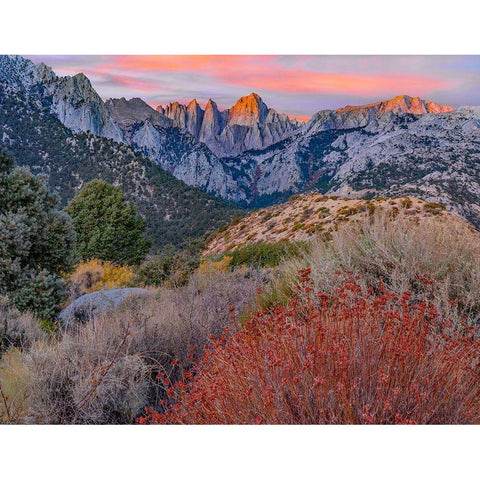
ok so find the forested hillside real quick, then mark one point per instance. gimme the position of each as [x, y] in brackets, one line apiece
[173, 210]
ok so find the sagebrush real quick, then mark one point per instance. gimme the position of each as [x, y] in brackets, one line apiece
[105, 371]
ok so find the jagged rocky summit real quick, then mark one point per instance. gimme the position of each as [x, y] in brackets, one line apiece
[248, 125]
[73, 99]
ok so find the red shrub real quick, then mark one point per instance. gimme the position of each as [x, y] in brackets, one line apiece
[348, 358]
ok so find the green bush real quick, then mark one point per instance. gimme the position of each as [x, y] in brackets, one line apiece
[265, 254]
[36, 242]
[167, 269]
[36, 138]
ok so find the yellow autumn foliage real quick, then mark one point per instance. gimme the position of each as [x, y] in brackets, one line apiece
[97, 275]
[211, 266]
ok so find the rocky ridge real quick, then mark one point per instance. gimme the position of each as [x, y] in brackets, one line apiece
[78, 106]
[72, 99]
[34, 136]
[363, 115]
[434, 156]
[171, 147]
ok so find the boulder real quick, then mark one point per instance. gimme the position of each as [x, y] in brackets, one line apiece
[94, 303]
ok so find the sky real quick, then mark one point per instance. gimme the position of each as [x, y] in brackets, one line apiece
[296, 85]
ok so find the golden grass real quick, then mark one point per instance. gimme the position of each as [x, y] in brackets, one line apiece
[438, 260]
[13, 382]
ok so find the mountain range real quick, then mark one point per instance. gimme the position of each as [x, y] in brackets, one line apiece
[254, 156]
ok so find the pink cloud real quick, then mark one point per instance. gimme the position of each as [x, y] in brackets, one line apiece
[271, 73]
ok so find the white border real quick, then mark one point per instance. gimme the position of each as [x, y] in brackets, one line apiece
[239, 27]
[239, 452]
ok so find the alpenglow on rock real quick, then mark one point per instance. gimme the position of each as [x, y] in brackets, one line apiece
[248, 125]
[254, 156]
[133, 122]
[363, 115]
[433, 156]
[172, 147]
[32, 134]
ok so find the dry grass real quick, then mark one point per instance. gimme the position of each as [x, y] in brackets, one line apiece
[17, 329]
[105, 371]
[436, 260]
[13, 386]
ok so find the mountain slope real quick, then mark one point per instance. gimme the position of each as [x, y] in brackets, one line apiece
[174, 149]
[78, 106]
[401, 146]
[35, 137]
[72, 99]
[363, 115]
[434, 156]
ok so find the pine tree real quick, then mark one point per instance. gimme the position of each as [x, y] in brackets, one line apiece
[36, 242]
[107, 227]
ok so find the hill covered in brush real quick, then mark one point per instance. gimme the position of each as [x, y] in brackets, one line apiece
[306, 216]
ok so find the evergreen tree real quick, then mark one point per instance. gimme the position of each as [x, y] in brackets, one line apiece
[107, 227]
[36, 242]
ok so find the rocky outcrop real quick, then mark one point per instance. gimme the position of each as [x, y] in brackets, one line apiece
[128, 113]
[177, 113]
[133, 122]
[73, 99]
[213, 122]
[248, 125]
[400, 104]
[252, 155]
[434, 156]
[20, 74]
[79, 107]
[188, 117]
[248, 111]
[194, 118]
[173, 148]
